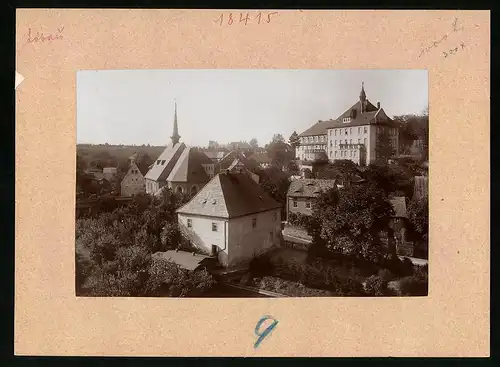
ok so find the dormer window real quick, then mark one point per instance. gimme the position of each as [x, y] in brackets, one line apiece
[158, 161]
[162, 162]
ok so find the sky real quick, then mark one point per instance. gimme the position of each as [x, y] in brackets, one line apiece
[137, 106]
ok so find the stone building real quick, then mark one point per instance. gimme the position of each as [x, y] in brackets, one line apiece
[134, 182]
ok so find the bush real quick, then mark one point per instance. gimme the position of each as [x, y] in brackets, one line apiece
[398, 267]
[289, 288]
[261, 266]
[413, 286]
[376, 286]
[386, 275]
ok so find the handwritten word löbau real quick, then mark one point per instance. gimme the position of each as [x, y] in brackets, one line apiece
[45, 37]
[244, 18]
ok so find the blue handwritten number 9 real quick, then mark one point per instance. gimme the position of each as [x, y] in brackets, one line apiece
[263, 334]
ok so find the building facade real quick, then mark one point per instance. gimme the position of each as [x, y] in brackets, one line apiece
[302, 193]
[134, 182]
[231, 218]
[354, 135]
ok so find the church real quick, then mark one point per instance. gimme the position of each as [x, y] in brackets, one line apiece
[181, 168]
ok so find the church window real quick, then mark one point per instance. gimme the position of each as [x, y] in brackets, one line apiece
[214, 227]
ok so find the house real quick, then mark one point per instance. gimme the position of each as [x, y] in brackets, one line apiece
[399, 224]
[186, 260]
[232, 218]
[134, 182]
[353, 135]
[301, 194]
[109, 173]
[181, 168]
[234, 161]
[215, 156]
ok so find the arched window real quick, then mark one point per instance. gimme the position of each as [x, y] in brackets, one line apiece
[179, 189]
[194, 190]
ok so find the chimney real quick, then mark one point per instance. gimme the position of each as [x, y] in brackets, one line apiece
[378, 105]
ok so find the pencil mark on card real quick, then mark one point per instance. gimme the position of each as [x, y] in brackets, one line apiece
[41, 37]
[264, 333]
[436, 43]
[245, 18]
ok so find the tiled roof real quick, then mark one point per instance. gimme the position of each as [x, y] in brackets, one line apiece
[184, 259]
[309, 187]
[188, 167]
[228, 196]
[365, 118]
[399, 205]
[164, 164]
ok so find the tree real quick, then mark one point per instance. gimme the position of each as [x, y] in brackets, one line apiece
[418, 214]
[278, 138]
[343, 170]
[384, 148]
[351, 222]
[254, 144]
[414, 127]
[280, 152]
[294, 140]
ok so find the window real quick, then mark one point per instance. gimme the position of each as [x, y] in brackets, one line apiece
[346, 132]
[350, 130]
[359, 141]
[346, 141]
[308, 204]
[158, 161]
[359, 130]
[214, 227]
[350, 141]
[254, 222]
[340, 132]
[330, 154]
[336, 154]
[162, 162]
[190, 223]
[295, 203]
[271, 235]
[366, 129]
[335, 132]
[275, 216]
[365, 141]
[331, 143]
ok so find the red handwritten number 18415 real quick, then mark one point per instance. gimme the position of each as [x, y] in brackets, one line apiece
[230, 19]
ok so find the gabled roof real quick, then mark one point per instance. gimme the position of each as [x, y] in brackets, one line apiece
[188, 167]
[230, 195]
[399, 205]
[365, 118]
[164, 164]
[186, 260]
[309, 187]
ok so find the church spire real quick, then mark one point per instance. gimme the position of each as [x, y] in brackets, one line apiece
[175, 136]
[362, 97]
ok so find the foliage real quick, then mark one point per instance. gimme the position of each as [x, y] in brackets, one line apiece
[279, 151]
[254, 144]
[418, 214]
[294, 140]
[169, 279]
[351, 223]
[377, 286]
[290, 288]
[343, 170]
[399, 268]
[413, 286]
[384, 147]
[293, 168]
[301, 220]
[390, 178]
[414, 127]
[275, 182]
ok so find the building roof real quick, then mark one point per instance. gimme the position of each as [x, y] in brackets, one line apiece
[399, 205]
[365, 118]
[188, 168]
[230, 195]
[309, 187]
[186, 260]
[164, 164]
[109, 170]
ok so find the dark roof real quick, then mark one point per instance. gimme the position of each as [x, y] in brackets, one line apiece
[309, 187]
[230, 195]
[188, 167]
[399, 205]
[365, 118]
[186, 260]
[164, 164]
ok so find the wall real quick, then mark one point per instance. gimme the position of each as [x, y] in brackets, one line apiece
[301, 206]
[245, 242]
[185, 186]
[209, 169]
[319, 142]
[152, 186]
[202, 236]
[133, 183]
[355, 135]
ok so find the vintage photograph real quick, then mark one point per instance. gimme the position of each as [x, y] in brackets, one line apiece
[252, 183]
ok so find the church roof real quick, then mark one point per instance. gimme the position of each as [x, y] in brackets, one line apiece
[230, 195]
[164, 164]
[188, 167]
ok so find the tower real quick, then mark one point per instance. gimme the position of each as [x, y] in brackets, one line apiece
[175, 136]
[362, 97]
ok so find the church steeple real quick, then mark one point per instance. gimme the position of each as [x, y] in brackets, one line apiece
[362, 97]
[175, 136]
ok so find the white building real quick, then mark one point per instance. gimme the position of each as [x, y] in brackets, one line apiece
[353, 135]
[232, 218]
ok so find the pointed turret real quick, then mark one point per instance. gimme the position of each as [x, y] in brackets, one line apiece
[362, 97]
[175, 136]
